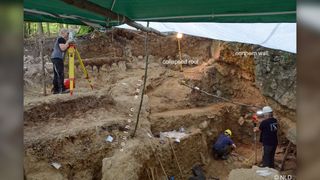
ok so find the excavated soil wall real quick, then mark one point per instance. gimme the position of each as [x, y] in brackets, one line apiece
[57, 109]
[129, 43]
[79, 155]
[189, 152]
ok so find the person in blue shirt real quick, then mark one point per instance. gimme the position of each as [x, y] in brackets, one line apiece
[268, 136]
[221, 147]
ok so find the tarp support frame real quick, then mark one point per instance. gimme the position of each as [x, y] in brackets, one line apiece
[87, 5]
[217, 15]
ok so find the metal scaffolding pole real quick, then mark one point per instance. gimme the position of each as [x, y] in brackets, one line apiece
[144, 80]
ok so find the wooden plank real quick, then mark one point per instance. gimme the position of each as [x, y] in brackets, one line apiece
[285, 156]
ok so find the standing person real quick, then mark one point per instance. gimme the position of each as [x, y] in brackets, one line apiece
[268, 136]
[221, 147]
[60, 46]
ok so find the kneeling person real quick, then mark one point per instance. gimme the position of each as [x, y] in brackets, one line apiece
[223, 145]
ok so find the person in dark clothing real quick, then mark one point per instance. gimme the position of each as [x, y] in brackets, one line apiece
[198, 173]
[222, 147]
[60, 46]
[268, 136]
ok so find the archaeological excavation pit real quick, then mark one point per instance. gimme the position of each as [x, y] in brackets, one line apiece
[89, 135]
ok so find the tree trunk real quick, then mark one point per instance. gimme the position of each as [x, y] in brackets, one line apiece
[48, 29]
[28, 29]
[34, 29]
[61, 26]
[67, 26]
[40, 28]
[25, 30]
[41, 42]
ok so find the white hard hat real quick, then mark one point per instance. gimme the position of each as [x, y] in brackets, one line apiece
[266, 109]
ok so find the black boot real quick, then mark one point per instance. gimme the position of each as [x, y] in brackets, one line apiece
[54, 91]
[64, 91]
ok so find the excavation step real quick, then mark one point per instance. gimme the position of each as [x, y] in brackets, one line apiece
[59, 106]
[79, 152]
[174, 119]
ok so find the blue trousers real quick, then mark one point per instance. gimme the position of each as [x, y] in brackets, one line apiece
[222, 152]
[268, 156]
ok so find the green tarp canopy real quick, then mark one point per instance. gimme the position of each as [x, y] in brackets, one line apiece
[228, 11]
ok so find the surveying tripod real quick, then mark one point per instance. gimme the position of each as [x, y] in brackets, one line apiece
[71, 52]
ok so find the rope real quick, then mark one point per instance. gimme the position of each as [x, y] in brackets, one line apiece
[219, 97]
[144, 80]
[271, 34]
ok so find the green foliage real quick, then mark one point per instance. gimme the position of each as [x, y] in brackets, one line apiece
[51, 29]
[84, 30]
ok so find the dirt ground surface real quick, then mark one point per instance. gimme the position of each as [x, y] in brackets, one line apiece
[255, 173]
[68, 137]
